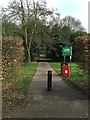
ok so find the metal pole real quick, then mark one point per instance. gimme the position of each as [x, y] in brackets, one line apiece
[49, 82]
[70, 62]
[64, 59]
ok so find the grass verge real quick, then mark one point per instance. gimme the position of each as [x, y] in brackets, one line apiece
[14, 88]
[78, 74]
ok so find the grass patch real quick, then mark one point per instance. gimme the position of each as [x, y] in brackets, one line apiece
[14, 88]
[78, 74]
[27, 72]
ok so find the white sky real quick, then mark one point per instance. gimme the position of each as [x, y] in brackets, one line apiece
[75, 8]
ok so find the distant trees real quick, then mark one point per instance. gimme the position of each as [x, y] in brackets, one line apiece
[10, 29]
[63, 33]
[72, 23]
[75, 34]
[23, 12]
[41, 29]
[88, 34]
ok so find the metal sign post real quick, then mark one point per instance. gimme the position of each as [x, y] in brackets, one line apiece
[67, 51]
[70, 62]
[64, 59]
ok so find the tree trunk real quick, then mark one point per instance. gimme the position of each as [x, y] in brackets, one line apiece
[27, 46]
[29, 56]
[30, 42]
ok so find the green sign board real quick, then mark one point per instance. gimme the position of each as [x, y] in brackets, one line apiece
[67, 51]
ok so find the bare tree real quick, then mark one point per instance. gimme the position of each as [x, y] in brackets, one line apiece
[72, 23]
[22, 12]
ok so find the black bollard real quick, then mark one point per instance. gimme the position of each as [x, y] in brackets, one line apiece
[49, 82]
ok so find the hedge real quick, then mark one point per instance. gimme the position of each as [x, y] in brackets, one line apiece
[82, 50]
[12, 54]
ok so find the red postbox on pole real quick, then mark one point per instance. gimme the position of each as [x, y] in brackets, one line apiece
[66, 71]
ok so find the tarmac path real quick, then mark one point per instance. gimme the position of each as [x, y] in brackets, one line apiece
[62, 102]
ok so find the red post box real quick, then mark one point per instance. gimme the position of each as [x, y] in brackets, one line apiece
[66, 71]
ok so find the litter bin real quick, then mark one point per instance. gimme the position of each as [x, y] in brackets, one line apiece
[62, 65]
[66, 71]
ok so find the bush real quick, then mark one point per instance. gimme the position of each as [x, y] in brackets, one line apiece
[12, 60]
[12, 55]
[82, 50]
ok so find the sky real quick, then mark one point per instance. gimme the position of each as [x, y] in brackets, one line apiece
[74, 8]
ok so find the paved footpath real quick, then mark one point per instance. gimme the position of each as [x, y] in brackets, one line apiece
[62, 102]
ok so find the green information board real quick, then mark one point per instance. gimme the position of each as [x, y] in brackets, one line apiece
[67, 51]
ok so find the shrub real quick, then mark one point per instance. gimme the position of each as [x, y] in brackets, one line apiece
[12, 60]
[82, 50]
[12, 55]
